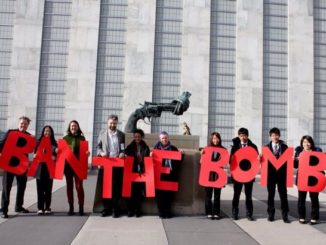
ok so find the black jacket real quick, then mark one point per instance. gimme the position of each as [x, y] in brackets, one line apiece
[21, 142]
[237, 145]
[131, 150]
[311, 180]
[42, 170]
[272, 172]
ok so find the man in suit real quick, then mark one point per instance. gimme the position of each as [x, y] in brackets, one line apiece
[277, 177]
[8, 177]
[111, 143]
[239, 142]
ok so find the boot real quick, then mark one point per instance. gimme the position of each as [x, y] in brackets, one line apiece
[249, 216]
[71, 210]
[285, 217]
[271, 214]
[81, 210]
[235, 213]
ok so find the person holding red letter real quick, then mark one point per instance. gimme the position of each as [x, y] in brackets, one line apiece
[164, 198]
[73, 137]
[277, 177]
[239, 142]
[43, 181]
[307, 144]
[8, 177]
[139, 150]
[111, 143]
[212, 210]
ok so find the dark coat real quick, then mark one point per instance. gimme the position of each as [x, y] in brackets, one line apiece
[311, 180]
[21, 142]
[131, 150]
[245, 164]
[42, 170]
[280, 174]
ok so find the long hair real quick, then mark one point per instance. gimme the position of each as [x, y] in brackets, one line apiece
[218, 136]
[79, 132]
[52, 138]
[310, 140]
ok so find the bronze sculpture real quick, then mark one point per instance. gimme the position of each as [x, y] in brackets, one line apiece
[178, 106]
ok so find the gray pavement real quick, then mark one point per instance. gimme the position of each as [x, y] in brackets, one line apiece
[93, 229]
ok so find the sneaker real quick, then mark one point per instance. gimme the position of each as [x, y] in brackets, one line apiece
[209, 216]
[48, 211]
[21, 210]
[40, 212]
[313, 222]
[217, 217]
[302, 221]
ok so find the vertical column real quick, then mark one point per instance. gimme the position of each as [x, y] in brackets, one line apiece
[7, 17]
[138, 84]
[249, 64]
[301, 70]
[110, 68]
[81, 65]
[167, 61]
[23, 86]
[275, 87]
[320, 73]
[195, 65]
[222, 69]
[53, 66]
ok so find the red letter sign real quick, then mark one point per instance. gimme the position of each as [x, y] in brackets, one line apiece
[79, 166]
[249, 154]
[207, 166]
[11, 150]
[147, 177]
[43, 155]
[158, 156]
[305, 170]
[107, 163]
[268, 157]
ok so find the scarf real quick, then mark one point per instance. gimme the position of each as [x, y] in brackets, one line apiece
[167, 147]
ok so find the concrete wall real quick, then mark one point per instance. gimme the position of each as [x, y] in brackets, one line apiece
[301, 70]
[81, 71]
[27, 37]
[140, 35]
[249, 68]
[140, 39]
[195, 65]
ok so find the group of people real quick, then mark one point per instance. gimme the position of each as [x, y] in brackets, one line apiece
[275, 178]
[111, 143]
[44, 182]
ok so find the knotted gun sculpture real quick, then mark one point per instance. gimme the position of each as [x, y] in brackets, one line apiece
[149, 110]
